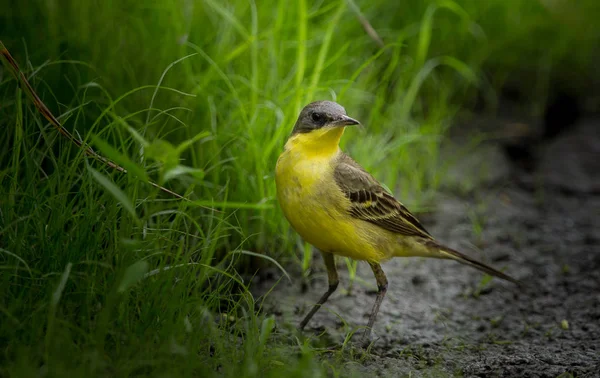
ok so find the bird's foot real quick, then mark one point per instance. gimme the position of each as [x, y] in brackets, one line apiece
[365, 339]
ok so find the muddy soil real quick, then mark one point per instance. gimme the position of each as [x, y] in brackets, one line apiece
[441, 318]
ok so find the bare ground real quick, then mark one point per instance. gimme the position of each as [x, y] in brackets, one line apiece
[441, 318]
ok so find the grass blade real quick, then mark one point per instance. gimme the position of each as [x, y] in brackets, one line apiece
[116, 192]
[249, 253]
[54, 300]
[231, 19]
[18, 258]
[133, 274]
[121, 158]
[333, 24]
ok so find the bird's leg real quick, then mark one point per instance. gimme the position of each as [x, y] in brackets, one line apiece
[332, 276]
[382, 284]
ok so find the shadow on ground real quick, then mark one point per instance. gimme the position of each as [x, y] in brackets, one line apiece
[442, 318]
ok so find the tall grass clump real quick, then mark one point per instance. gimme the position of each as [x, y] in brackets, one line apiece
[103, 273]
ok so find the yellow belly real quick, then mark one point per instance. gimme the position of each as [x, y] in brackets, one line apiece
[317, 209]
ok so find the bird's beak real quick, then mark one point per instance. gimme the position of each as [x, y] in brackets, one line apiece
[344, 121]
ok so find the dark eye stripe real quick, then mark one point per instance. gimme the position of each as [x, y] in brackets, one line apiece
[318, 118]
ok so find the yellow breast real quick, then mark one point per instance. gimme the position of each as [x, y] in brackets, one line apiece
[316, 207]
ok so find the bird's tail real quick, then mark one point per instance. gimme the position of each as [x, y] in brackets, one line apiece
[450, 253]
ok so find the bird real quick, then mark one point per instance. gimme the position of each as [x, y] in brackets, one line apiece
[338, 207]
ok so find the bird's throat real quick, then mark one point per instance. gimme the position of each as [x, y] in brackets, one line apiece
[317, 143]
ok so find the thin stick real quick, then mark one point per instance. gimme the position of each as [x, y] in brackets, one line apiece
[13, 67]
[371, 32]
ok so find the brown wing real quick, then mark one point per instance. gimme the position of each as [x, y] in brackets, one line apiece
[371, 202]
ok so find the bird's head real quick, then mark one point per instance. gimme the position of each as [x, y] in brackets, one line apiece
[321, 125]
[322, 116]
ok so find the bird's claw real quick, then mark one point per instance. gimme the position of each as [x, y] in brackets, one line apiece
[367, 339]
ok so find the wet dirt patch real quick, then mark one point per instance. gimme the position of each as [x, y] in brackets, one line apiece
[443, 318]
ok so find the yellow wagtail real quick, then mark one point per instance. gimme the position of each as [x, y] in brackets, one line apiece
[339, 208]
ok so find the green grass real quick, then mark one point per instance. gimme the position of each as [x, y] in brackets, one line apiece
[103, 274]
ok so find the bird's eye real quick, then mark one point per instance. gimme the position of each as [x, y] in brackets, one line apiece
[318, 118]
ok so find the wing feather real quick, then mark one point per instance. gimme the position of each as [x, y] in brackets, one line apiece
[371, 203]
